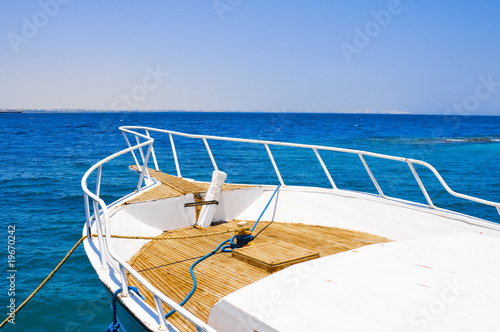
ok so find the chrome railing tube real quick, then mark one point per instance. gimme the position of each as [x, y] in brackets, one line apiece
[100, 238]
[421, 185]
[124, 280]
[174, 152]
[87, 214]
[162, 322]
[98, 182]
[324, 168]
[132, 151]
[138, 140]
[274, 164]
[449, 190]
[368, 170]
[145, 168]
[153, 153]
[210, 154]
[362, 153]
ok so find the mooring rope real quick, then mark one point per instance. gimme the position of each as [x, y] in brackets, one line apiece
[44, 282]
[11, 315]
[114, 326]
[113, 236]
[167, 237]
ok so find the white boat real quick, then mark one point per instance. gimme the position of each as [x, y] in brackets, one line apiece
[320, 259]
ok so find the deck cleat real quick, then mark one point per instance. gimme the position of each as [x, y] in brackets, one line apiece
[243, 234]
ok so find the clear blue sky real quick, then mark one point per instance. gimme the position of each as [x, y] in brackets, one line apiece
[417, 56]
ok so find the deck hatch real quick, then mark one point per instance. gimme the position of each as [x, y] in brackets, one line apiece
[274, 256]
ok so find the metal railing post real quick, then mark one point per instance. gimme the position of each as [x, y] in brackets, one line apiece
[144, 169]
[138, 140]
[325, 169]
[161, 314]
[153, 153]
[104, 263]
[124, 280]
[175, 156]
[210, 154]
[274, 164]
[98, 183]
[380, 192]
[132, 152]
[421, 185]
[87, 215]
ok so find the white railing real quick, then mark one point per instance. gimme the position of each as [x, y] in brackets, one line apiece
[315, 149]
[101, 218]
[101, 212]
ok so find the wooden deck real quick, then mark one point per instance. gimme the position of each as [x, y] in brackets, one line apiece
[165, 263]
[173, 186]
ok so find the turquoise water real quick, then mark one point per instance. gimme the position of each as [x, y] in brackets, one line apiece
[45, 155]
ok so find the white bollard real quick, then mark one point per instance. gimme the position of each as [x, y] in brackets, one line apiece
[208, 211]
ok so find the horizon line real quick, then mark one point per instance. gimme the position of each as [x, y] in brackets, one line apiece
[96, 110]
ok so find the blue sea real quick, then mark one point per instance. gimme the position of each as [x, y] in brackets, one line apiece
[44, 156]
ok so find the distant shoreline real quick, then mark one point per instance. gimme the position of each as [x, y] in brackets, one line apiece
[96, 111]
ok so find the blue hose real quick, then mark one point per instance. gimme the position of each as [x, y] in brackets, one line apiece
[223, 248]
[193, 276]
[270, 200]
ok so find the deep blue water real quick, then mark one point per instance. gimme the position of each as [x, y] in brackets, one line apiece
[44, 156]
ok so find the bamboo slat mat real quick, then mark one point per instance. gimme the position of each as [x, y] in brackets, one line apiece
[173, 186]
[165, 263]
